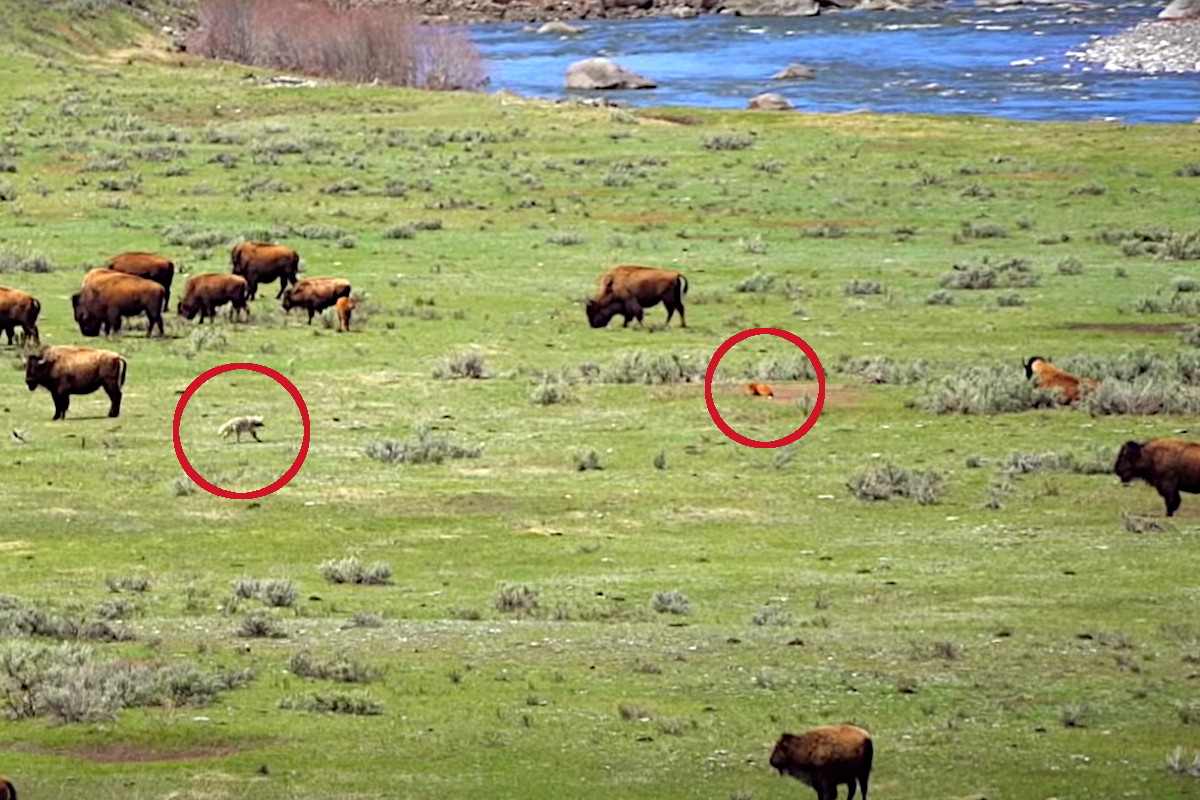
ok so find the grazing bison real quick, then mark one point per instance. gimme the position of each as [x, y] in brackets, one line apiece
[108, 296]
[1051, 377]
[261, 262]
[7, 790]
[19, 308]
[76, 370]
[826, 757]
[344, 306]
[760, 390]
[628, 290]
[204, 294]
[315, 294]
[150, 266]
[1169, 465]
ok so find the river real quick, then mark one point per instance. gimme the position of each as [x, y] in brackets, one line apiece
[1015, 62]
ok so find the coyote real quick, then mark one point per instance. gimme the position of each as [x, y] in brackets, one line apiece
[240, 425]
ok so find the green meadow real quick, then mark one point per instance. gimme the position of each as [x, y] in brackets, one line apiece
[520, 560]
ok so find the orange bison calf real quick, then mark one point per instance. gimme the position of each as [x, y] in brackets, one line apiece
[7, 790]
[1051, 377]
[627, 290]
[204, 294]
[1169, 465]
[19, 308]
[826, 757]
[108, 296]
[344, 306]
[68, 370]
[261, 262]
[150, 266]
[760, 390]
[315, 294]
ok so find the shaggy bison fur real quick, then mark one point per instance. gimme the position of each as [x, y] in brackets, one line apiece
[108, 296]
[1169, 465]
[262, 262]
[827, 757]
[204, 294]
[68, 370]
[19, 308]
[628, 290]
[315, 294]
[150, 266]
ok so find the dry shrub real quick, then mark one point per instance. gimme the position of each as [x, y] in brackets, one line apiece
[361, 44]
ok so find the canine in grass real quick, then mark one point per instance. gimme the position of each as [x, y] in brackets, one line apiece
[240, 425]
[826, 757]
[1052, 377]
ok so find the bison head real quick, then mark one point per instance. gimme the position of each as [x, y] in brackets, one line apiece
[599, 313]
[288, 302]
[36, 371]
[1128, 461]
[89, 323]
[189, 310]
[1029, 365]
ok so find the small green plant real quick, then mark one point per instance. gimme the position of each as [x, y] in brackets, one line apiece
[514, 599]
[857, 287]
[352, 571]
[587, 459]
[1069, 266]
[342, 668]
[355, 702]
[728, 141]
[758, 282]
[771, 615]
[260, 625]
[885, 481]
[671, 602]
[940, 298]
[660, 460]
[467, 364]
[426, 448]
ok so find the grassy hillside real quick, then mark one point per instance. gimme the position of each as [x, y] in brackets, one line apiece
[1029, 634]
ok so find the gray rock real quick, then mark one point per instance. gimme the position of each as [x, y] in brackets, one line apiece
[684, 12]
[602, 73]
[793, 72]
[1180, 9]
[773, 8]
[559, 27]
[769, 101]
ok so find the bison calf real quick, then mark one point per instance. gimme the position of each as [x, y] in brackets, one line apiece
[826, 757]
[66, 370]
[627, 290]
[344, 306]
[1052, 377]
[315, 294]
[204, 294]
[19, 308]
[1169, 465]
[760, 390]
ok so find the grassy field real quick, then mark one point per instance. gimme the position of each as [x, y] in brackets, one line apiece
[567, 582]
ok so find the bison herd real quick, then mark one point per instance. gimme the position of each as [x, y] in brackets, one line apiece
[136, 284]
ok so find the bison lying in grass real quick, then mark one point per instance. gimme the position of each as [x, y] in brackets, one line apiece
[19, 308]
[760, 390]
[261, 262]
[68, 370]
[315, 294]
[204, 294]
[1169, 465]
[1051, 377]
[627, 290]
[826, 757]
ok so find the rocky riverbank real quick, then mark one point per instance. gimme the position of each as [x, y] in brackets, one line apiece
[1152, 46]
[478, 11]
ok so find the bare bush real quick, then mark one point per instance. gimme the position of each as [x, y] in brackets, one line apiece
[362, 44]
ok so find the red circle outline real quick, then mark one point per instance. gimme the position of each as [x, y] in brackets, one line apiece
[712, 370]
[217, 490]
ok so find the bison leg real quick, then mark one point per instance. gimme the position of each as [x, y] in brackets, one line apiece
[311, 312]
[1171, 495]
[282, 286]
[61, 402]
[851, 795]
[9, 330]
[114, 396]
[32, 330]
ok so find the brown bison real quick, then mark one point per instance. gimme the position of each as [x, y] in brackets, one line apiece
[1169, 465]
[760, 390]
[345, 305]
[204, 294]
[827, 757]
[7, 790]
[1051, 377]
[628, 290]
[19, 308]
[261, 262]
[76, 370]
[315, 294]
[107, 296]
[150, 266]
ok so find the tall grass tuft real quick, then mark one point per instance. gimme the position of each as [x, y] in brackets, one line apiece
[886, 480]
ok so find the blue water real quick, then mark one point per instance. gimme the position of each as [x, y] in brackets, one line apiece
[956, 60]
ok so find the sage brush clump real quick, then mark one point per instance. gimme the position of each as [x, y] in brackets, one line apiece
[1143, 397]
[982, 390]
[640, 366]
[886, 480]
[351, 570]
[425, 449]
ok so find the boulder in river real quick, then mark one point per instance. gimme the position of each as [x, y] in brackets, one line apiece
[772, 8]
[559, 27]
[1180, 9]
[769, 101]
[794, 72]
[602, 73]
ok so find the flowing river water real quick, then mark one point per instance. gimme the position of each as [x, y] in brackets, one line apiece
[1020, 62]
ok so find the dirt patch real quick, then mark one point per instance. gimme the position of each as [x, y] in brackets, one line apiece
[131, 753]
[835, 396]
[1127, 327]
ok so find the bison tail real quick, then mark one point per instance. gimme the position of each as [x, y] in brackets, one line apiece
[868, 757]
[683, 285]
[36, 306]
